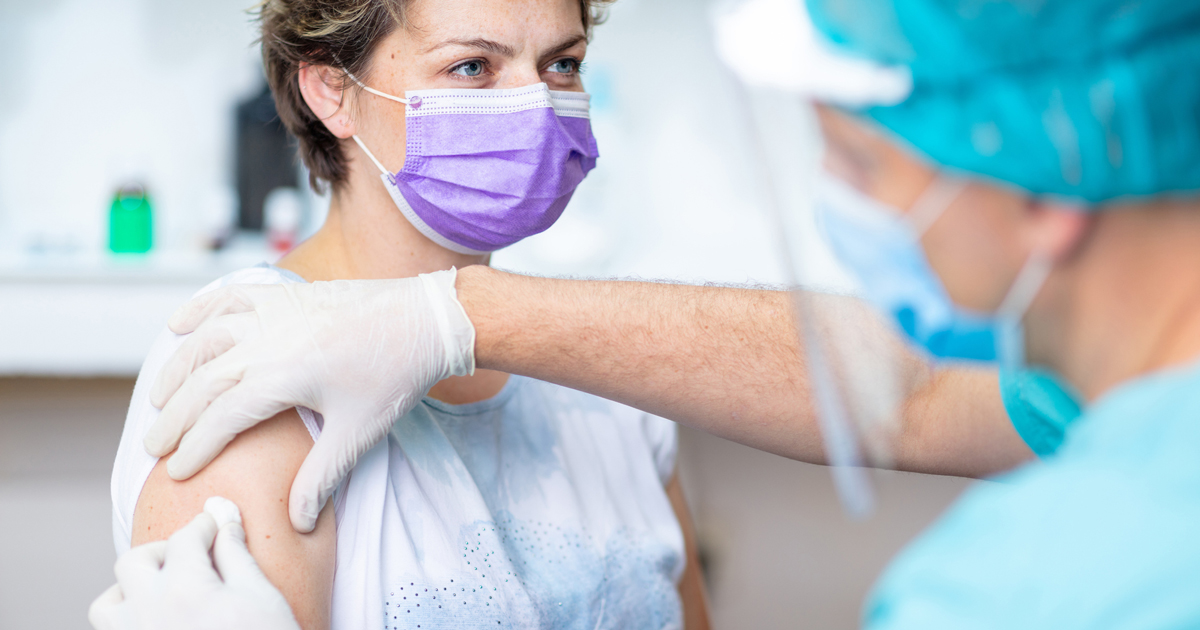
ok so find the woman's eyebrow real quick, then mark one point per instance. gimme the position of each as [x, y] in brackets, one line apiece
[565, 45]
[505, 50]
[487, 45]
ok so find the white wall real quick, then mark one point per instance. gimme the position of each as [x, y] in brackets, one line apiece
[99, 91]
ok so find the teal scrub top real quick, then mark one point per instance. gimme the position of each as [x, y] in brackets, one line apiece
[1040, 406]
[1104, 534]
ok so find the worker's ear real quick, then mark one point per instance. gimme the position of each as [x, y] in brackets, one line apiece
[322, 89]
[1056, 229]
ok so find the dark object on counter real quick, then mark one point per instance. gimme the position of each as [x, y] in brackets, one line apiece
[266, 157]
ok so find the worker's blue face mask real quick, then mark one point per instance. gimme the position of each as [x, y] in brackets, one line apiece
[882, 247]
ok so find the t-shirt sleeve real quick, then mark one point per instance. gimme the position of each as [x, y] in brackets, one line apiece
[663, 437]
[1040, 406]
[133, 464]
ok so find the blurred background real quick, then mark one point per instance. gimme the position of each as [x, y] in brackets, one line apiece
[140, 158]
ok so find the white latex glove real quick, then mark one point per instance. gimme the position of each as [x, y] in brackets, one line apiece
[174, 584]
[361, 352]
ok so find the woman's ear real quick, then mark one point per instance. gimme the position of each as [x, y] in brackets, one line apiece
[321, 88]
[1057, 229]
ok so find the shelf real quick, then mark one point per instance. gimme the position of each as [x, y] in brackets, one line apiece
[126, 269]
[96, 316]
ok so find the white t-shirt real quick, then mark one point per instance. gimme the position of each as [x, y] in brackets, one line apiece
[541, 507]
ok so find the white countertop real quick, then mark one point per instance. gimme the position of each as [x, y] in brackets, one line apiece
[97, 315]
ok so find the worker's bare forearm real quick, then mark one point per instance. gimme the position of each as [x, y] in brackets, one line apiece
[955, 424]
[726, 361]
[721, 360]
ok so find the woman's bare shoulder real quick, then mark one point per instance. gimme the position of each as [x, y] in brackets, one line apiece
[255, 471]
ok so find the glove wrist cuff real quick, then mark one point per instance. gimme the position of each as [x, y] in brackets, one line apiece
[455, 329]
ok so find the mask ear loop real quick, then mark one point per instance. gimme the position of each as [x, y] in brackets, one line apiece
[1010, 330]
[413, 102]
[927, 209]
[1026, 286]
[933, 202]
[378, 164]
[406, 101]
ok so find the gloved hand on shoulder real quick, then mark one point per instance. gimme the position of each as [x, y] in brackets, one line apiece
[360, 352]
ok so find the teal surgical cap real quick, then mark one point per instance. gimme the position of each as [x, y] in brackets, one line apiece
[1092, 100]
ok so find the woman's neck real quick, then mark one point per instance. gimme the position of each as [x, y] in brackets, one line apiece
[366, 237]
[1133, 306]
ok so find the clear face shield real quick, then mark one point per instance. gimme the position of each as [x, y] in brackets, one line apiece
[859, 376]
[860, 371]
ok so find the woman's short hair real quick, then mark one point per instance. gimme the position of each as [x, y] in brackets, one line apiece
[338, 33]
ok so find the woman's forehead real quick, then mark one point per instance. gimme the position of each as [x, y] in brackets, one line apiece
[433, 21]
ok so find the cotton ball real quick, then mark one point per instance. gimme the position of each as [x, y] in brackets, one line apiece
[223, 511]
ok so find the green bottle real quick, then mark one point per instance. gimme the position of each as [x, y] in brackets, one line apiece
[130, 222]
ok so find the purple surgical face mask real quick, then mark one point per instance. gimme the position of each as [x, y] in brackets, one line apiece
[487, 168]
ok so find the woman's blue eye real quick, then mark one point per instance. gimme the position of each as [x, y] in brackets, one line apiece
[565, 66]
[469, 69]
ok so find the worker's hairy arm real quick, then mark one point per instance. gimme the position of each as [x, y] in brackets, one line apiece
[255, 471]
[956, 424]
[722, 360]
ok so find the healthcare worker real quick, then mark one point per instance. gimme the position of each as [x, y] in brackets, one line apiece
[1036, 195]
